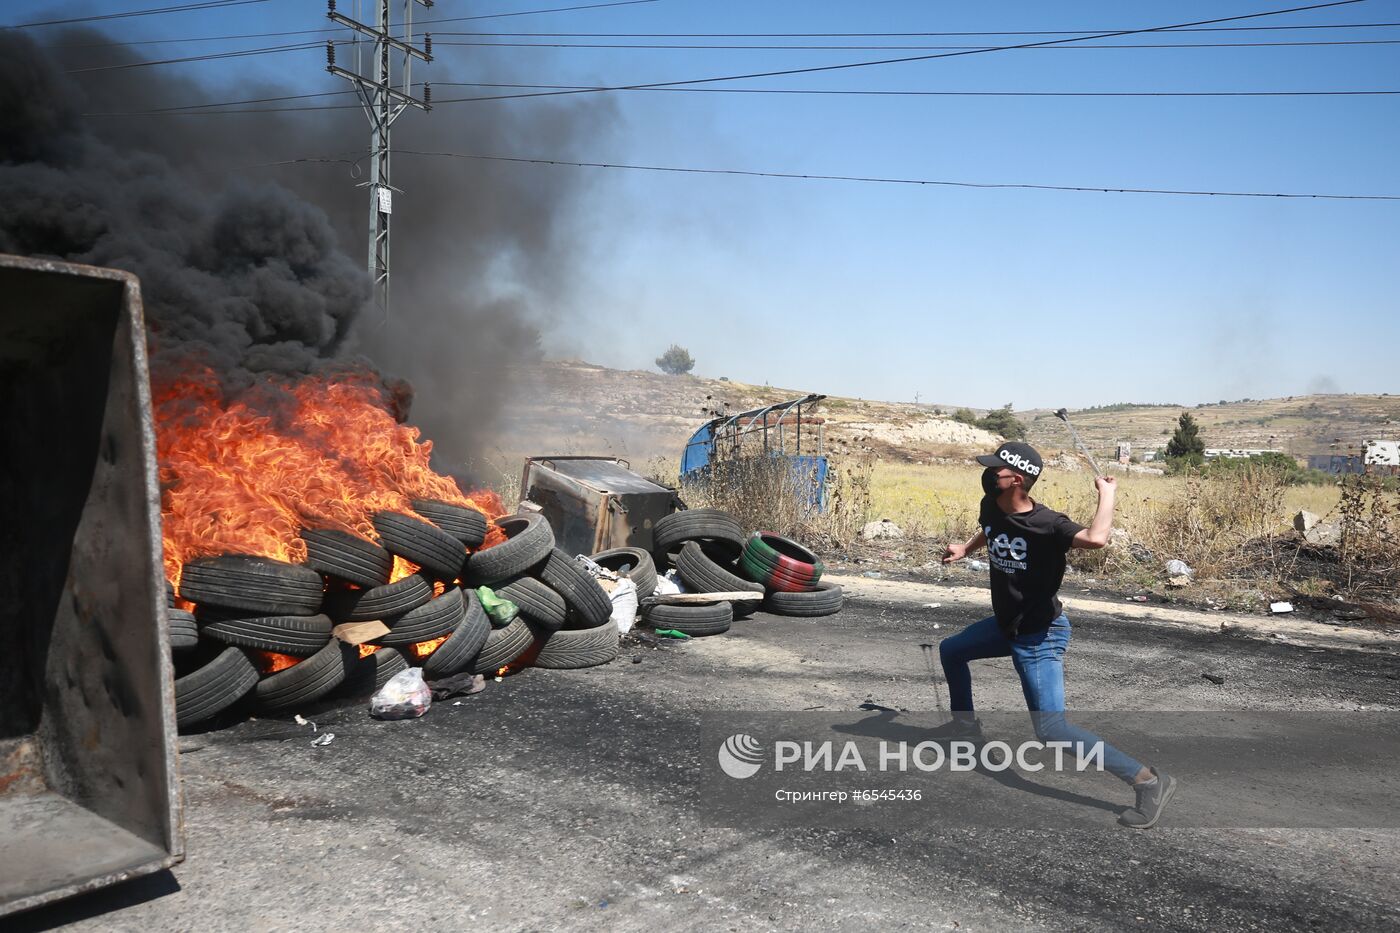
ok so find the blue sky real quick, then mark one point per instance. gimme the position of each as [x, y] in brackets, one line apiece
[963, 296]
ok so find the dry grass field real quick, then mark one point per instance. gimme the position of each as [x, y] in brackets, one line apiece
[940, 500]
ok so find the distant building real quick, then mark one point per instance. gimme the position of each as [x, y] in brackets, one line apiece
[1236, 453]
[1374, 457]
[1125, 452]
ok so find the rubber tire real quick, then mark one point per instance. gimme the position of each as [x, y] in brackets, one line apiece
[643, 572]
[256, 584]
[462, 647]
[299, 636]
[590, 603]
[184, 630]
[439, 554]
[571, 649]
[434, 619]
[465, 524]
[693, 620]
[502, 646]
[529, 539]
[366, 675]
[307, 681]
[696, 524]
[214, 687]
[767, 564]
[387, 601]
[538, 601]
[781, 582]
[347, 557]
[703, 575]
[826, 599]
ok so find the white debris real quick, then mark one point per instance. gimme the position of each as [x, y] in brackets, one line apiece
[303, 721]
[1279, 607]
[322, 740]
[1178, 568]
[884, 528]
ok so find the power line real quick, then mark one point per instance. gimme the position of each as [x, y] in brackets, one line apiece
[178, 8]
[916, 58]
[210, 56]
[881, 35]
[205, 109]
[716, 35]
[686, 170]
[897, 93]
[557, 9]
[837, 48]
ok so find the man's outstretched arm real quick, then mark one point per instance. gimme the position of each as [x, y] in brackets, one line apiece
[1099, 530]
[958, 551]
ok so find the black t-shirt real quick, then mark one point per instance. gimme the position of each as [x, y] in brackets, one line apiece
[1027, 553]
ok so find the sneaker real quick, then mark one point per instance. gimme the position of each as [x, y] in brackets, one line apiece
[1151, 801]
[958, 728]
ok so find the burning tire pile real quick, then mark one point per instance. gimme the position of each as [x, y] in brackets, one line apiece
[712, 554]
[275, 635]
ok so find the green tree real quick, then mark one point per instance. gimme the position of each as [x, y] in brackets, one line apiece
[676, 361]
[1002, 421]
[1186, 445]
[965, 416]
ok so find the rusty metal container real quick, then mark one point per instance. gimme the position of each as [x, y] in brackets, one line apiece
[89, 789]
[595, 503]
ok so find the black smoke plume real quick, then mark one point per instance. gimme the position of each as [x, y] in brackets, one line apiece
[258, 268]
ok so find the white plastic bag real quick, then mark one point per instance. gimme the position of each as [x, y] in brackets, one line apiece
[624, 605]
[405, 696]
[669, 584]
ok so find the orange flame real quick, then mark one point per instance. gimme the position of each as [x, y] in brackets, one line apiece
[367, 649]
[245, 475]
[421, 650]
[270, 662]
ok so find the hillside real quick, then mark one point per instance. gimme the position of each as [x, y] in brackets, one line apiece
[572, 407]
[1299, 425]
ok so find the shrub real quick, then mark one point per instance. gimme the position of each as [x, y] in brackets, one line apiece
[676, 361]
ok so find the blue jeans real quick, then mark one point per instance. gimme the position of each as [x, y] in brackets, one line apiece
[1039, 660]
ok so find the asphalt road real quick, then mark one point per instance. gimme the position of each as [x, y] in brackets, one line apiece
[567, 800]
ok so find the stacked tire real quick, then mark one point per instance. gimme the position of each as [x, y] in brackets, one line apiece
[710, 551]
[703, 545]
[261, 635]
[790, 575]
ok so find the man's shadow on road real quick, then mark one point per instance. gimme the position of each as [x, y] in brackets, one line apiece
[884, 725]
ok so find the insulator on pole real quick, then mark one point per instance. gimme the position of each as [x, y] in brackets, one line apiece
[330, 6]
[330, 53]
[427, 93]
[428, 44]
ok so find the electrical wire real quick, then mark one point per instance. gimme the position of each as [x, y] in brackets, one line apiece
[848, 48]
[205, 109]
[178, 8]
[210, 56]
[897, 93]
[714, 35]
[915, 58]
[881, 35]
[872, 179]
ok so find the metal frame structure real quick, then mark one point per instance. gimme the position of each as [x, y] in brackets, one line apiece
[383, 102]
[734, 428]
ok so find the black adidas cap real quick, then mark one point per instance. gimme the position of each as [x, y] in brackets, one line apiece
[1016, 456]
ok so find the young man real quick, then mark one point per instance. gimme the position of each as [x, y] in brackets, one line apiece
[1027, 544]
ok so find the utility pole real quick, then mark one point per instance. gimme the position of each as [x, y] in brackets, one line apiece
[383, 101]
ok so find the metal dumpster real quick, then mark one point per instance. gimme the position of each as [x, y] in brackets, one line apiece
[595, 503]
[89, 792]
